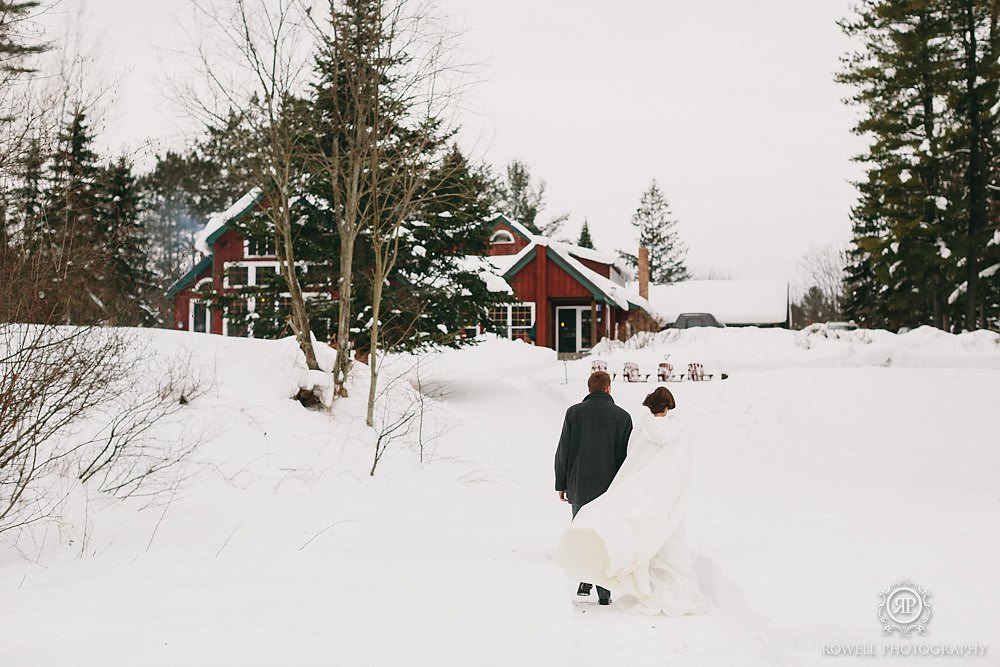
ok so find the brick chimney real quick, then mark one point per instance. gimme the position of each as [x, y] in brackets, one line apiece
[644, 272]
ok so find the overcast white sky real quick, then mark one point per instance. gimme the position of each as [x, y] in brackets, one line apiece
[730, 106]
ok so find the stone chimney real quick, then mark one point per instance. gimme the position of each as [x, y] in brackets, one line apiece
[644, 272]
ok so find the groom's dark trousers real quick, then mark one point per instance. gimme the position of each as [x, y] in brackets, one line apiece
[602, 593]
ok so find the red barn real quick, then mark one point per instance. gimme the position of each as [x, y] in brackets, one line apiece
[568, 297]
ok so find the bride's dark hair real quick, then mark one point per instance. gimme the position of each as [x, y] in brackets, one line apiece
[659, 400]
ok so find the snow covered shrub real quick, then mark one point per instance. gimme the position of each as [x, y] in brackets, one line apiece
[77, 404]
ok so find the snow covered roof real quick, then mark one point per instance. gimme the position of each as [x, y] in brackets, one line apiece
[217, 221]
[518, 227]
[613, 292]
[189, 277]
[604, 289]
[731, 301]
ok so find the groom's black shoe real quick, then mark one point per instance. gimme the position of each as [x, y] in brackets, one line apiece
[584, 589]
[604, 601]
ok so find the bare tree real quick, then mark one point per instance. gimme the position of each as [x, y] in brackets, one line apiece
[70, 407]
[378, 101]
[382, 91]
[265, 41]
[823, 267]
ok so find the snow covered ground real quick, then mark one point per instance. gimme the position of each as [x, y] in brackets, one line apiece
[830, 465]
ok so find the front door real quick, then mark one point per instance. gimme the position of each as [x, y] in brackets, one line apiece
[199, 317]
[566, 330]
[573, 329]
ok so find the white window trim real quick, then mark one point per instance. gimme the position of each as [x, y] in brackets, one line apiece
[251, 267]
[252, 308]
[208, 310]
[246, 250]
[501, 233]
[510, 328]
[580, 310]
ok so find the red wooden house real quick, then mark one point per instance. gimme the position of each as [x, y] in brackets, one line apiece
[228, 262]
[568, 297]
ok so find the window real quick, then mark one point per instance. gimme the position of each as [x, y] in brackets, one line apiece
[236, 318]
[237, 276]
[514, 321]
[260, 246]
[502, 236]
[265, 275]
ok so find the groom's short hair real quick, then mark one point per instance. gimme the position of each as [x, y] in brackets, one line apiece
[599, 381]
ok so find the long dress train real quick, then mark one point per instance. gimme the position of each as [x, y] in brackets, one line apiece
[631, 538]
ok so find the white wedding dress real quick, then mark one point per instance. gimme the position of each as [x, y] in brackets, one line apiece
[631, 539]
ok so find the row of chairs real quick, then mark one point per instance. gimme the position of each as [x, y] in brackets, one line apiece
[664, 373]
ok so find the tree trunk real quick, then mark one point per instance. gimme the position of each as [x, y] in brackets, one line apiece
[975, 175]
[299, 316]
[344, 280]
[373, 348]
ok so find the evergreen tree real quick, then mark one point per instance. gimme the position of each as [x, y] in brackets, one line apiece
[185, 188]
[437, 289]
[126, 281]
[14, 38]
[26, 205]
[922, 208]
[520, 197]
[813, 307]
[657, 232]
[585, 241]
[72, 237]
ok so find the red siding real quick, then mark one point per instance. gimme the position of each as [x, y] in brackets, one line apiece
[182, 301]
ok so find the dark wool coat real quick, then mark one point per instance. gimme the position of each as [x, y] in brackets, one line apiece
[592, 447]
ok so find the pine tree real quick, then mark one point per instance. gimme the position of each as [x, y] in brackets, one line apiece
[72, 236]
[14, 48]
[521, 197]
[921, 70]
[25, 215]
[658, 233]
[585, 241]
[126, 281]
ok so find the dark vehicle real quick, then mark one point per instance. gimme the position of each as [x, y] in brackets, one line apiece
[689, 320]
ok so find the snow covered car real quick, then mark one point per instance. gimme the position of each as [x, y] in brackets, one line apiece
[689, 320]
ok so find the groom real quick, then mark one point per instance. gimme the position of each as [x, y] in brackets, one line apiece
[592, 448]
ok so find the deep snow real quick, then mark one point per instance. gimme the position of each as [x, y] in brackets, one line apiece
[829, 466]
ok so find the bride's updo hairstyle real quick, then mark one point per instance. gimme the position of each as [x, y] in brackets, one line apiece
[661, 399]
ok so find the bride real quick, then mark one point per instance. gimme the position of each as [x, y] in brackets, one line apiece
[631, 538]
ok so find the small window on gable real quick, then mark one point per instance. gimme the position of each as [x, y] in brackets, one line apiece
[260, 246]
[502, 236]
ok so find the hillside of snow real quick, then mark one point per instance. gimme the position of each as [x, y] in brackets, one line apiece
[829, 466]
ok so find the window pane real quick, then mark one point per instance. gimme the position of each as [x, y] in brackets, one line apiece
[236, 318]
[238, 276]
[260, 246]
[520, 316]
[266, 275]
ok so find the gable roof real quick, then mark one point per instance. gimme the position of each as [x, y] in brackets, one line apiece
[518, 227]
[189, 277]
[217, 222]
[603, 289]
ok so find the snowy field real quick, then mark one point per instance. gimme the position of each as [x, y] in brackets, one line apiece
[828, 468]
